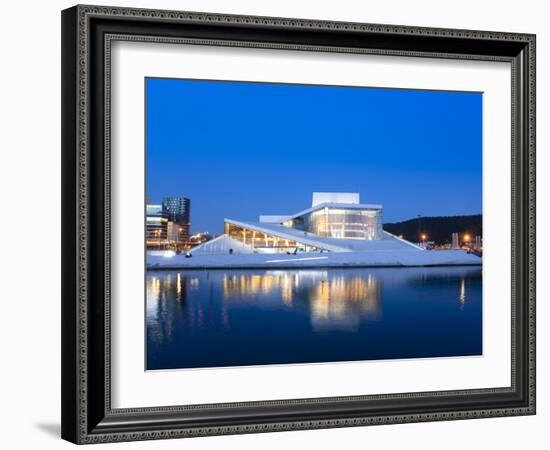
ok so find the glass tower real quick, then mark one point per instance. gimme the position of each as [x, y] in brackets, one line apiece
[178, 211]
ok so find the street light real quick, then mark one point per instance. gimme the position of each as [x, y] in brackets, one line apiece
[466, 239]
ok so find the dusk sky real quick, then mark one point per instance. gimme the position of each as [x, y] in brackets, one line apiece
[238, 150]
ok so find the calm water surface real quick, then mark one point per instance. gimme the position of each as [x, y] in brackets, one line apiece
[249, 317]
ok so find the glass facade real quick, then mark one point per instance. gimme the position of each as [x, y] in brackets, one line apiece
[156, 227]
[341, 223]
[178, 210]
[265, 243]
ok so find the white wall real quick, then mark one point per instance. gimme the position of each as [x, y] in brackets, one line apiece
[29, 102]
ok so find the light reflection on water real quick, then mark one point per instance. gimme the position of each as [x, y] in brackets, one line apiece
[240, 317]
[334, 302]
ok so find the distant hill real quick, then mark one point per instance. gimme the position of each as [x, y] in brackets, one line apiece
[437, 229]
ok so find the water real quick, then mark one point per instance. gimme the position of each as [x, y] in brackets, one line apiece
[249, 317]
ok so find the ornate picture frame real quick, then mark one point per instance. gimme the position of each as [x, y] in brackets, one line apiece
[87, 413]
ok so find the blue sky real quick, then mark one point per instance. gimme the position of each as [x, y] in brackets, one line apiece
[238, 150]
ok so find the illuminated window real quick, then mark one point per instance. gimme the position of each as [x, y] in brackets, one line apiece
[341, 223]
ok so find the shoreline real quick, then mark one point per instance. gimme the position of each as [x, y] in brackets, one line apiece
[297, 267]
[409, 258]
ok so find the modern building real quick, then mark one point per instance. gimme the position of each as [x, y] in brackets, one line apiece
[156, 226]
[173, 234]
[336, 231]
[178, 211]
[335, 222]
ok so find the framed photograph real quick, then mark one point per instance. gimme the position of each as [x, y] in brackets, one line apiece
[278, 224]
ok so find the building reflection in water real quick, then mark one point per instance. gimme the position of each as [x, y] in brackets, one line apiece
[163, 314]
[339, 303]
[335, 302]
[199, 318]
[331, 299]
[254, 288]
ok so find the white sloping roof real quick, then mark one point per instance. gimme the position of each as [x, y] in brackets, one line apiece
[389, 242]
[290, 234]
[388, 235]
[272, 219]
[221, 244]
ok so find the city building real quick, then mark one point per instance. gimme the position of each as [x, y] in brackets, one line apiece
[478, 244]
[335, 222]
[156, 227]
[173, 234]
[455, 243]
[178, 211]
[336, 231]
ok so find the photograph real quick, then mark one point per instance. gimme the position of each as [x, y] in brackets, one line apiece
[300, 223]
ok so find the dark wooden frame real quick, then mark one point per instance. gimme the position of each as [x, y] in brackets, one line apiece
[87, 31]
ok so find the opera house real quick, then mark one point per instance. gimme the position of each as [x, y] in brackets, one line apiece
[337, 230]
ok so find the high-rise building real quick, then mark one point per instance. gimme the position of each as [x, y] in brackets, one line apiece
[178, 210]
[156, 226]
[173, 233]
